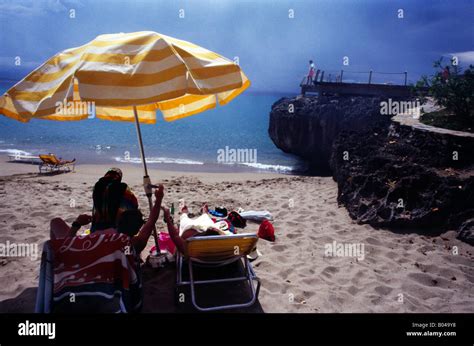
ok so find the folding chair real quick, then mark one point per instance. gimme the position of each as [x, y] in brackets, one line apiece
[101, 272]
[218, 251]
[51, 163]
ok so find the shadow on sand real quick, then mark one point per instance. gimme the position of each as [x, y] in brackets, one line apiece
[160, 295]
[24, 302]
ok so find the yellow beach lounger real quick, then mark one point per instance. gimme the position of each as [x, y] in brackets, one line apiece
[50, 163]
[218, 251]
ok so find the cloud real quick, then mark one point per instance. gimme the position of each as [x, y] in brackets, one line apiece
[31, 8]
[464, 58]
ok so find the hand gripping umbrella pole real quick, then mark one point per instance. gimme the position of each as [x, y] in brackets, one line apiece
[146, 178]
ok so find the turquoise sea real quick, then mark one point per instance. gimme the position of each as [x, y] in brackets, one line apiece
[190, 144]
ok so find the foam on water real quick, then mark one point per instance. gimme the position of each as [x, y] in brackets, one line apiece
[15, 152]
[268, 167]
[158, 160]
[169, 160]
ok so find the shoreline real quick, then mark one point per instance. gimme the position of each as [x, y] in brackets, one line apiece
[132, 172]
[179, 165]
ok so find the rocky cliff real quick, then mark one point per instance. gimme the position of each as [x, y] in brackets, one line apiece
[403, 177]
[308, 126]
[388, 174]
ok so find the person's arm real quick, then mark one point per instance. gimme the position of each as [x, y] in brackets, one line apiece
[172, 231]
[141, 239]
[81, 220]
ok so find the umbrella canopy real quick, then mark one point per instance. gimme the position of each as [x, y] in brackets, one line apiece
[115, 72]
[126, 77]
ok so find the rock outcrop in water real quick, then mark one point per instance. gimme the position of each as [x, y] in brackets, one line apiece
[308, 126]
[388, 174]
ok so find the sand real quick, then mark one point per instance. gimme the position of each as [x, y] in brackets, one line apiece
[397, 271]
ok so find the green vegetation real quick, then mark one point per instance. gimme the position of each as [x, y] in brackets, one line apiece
[453, 90]
[444, 119]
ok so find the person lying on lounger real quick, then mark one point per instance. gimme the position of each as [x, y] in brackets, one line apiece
[190, 227]
[129, 222]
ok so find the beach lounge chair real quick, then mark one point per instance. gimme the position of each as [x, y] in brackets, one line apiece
[50, 163]
[218, 251]
[93, 273]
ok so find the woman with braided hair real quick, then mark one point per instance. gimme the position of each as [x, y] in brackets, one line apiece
[115, 210]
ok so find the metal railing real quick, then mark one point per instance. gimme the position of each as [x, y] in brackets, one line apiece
[339, 76]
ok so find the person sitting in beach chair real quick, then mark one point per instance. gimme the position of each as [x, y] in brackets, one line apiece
[201, 243]
[110, 197]
[129, 222]
[98, 268]
[94, 273]
[104, 198]
[202, 225]
[52, 164]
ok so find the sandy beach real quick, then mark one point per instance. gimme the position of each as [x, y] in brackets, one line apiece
[398, 272]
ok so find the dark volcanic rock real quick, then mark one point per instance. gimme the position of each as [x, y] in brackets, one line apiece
[466, 232]
[400, 176]
[388, 174]
[308, 126]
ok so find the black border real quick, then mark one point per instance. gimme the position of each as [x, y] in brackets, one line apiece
[239, 329]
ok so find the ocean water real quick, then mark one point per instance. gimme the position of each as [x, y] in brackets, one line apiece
[196, 143]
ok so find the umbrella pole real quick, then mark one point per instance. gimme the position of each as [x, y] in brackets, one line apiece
[146, 177]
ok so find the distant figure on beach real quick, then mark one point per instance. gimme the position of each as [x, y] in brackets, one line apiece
[129, 222]
[311, 71]
[445, 74]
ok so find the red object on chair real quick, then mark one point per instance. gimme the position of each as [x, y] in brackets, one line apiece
[266, 231]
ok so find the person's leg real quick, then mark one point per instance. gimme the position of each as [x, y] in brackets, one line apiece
[184, 223]
[58, 229]
[204, 209]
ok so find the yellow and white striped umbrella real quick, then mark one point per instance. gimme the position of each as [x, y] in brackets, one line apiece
[126, 77]
[116, 72]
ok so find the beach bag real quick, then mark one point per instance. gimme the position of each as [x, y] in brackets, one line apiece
[236, 219]
[222, 210]
[266, 231]
[216, 213]
[166, 243]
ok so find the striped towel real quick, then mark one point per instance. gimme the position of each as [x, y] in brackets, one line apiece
[96, 265]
